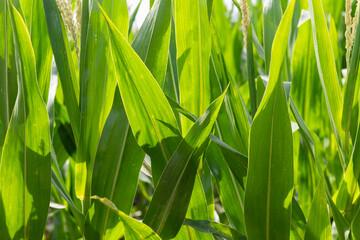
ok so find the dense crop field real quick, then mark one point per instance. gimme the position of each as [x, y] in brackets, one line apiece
[203, 123]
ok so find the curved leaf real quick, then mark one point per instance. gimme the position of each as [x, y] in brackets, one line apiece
[150, 116]
[172, 196]
[218, 229]
[133, 228]
[98, 87]
[269, 185]
[26, 160]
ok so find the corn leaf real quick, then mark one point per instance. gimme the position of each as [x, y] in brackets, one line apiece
[25, 170]
[271, 15]
[355, 230]
[197, 210]
[36, 24]
[269, 184]
[298, 222]
[172, 196]
[218, 229]
[229, 190]
[349, 187]
[153, 39]
[128, 154]
[133, 228]
[8, 72]
[327, 71]
[94, 97]
[193, 42]
[150, 116]
[318, 225]
[120, 183]
[64, 63]
[233, 116]
[237, 161]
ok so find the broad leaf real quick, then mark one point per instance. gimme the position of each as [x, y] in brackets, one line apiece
[193, 42]
[269, 185]
[25, 170]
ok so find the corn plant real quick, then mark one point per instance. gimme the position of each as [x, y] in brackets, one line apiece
[202, 123]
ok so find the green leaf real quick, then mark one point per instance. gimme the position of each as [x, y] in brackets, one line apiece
[197, 210]
[133, 228]
[307, 136]
[306, 88]
[8, 72]
[327, 71]
[36, 22]
[171, 198]
[355, 230]
[348, 189]
[237, 161]
[342, 225]
[150, 116]
[318, 225]
[272, 13]
[64, 63]
[193, 42]
[269, 184]
[58, 182]
[26, 160]
[218, 229]
[298, 222]
[116, 171]
[229, 190]
[250, 70]
[171, 83]
[233, 116]
[152, 41]
[133, 16]
[94, 97]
